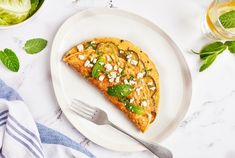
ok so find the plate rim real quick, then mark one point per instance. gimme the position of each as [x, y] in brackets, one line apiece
[178, 52]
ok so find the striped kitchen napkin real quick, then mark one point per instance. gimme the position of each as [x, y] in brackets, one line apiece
[22, 137]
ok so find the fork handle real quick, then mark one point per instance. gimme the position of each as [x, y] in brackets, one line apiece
[155, 148]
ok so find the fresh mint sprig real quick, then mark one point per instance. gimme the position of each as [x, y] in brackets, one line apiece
[228, 19]
[10, 59]
[231, 46]
[210, 52]
[35, 45]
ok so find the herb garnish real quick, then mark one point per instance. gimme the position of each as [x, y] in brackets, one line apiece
[10, 60]
[35, 45]
[96, 71]
[228, 19]
[231, 46]
[91, 44]
[210, 52]
[122, 90]
[132, 107]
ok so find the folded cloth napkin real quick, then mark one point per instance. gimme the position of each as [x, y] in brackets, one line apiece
[21, 137]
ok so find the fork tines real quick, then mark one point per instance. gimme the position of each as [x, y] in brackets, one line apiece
[82, 109]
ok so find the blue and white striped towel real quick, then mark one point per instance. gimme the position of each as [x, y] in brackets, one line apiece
[21, 137]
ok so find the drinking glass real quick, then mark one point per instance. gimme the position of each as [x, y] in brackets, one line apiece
[219, 21]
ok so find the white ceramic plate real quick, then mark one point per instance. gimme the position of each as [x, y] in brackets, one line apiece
[175, 79]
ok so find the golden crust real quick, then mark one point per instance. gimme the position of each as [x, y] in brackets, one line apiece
[144, 64]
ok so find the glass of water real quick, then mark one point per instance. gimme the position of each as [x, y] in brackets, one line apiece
[219, 20]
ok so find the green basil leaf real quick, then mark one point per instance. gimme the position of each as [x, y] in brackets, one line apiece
[132, 107]
[96, 70]
[231, 46]
[120, 91]
[34, 46]
[207, 62]
[135, 109]
[10, 60]
[228, 19]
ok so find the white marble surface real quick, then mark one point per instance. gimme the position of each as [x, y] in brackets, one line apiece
[207, 131]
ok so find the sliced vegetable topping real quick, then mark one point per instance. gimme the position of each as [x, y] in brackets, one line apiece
[96, 71]
[132, 56]
[132, 107]
[120, 91]
[91, 44]
[131, 76]
[108, 48]
[151, 84]
[129, 56]
[135, 109]
[141, 66]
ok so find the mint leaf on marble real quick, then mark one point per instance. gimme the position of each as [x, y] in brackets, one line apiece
[10, 60]
[210, 49]
[228, 19]
[209, 53]
[34, 46]
[207, 62]
[231, 46]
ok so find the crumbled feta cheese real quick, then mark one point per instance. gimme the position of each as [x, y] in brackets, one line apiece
[120, 70]
[152, 88]
[108, 58]
[138, 90]
[93, 42]
[80, 47]
[108, 67]
[94, 60]
[121, 51]
[81, 57]
[101, 78]
[113, 74]
[150, 83]
[111, 80]
[115, 67]
[131, 82]
[140, 75]
[126, 82]
[117, 79]
[132, 100]
[134, 62]
[101, 63]
[129, 56]
[144, 103]
[87, 63]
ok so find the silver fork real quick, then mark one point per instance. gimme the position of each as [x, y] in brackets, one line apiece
[100, 117]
